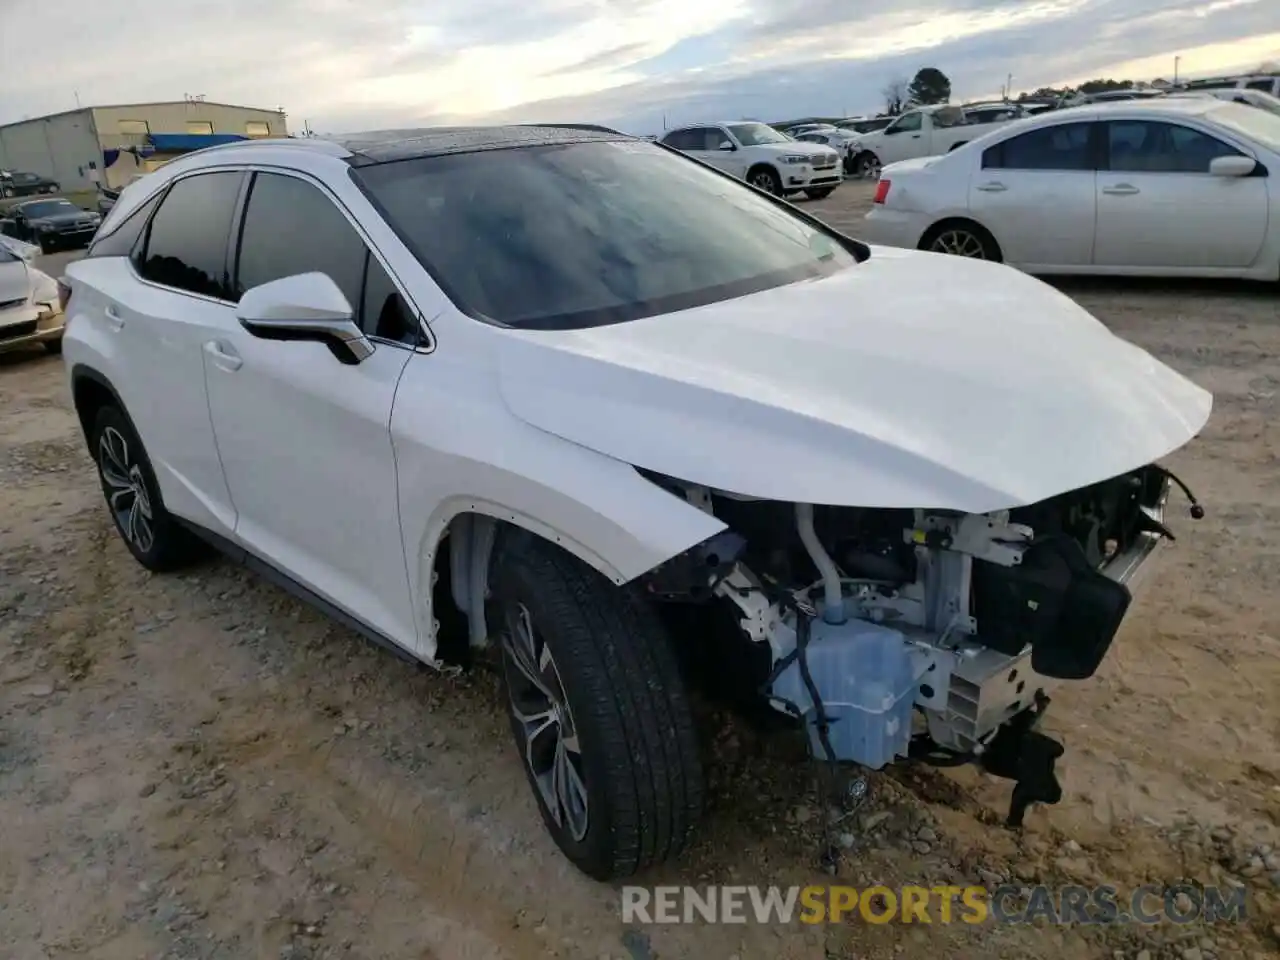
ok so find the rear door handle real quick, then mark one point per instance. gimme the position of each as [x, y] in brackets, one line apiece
[994, 186]
[222, 358]
[114, 320]
[1121, 190]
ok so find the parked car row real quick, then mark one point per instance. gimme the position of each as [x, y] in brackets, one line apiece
[17, 183]
[52, 224]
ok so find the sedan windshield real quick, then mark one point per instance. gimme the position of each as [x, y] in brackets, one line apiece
[587, 234]
[48, 208]
[758, 134]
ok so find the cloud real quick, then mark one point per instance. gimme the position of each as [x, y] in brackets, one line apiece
[350, 64]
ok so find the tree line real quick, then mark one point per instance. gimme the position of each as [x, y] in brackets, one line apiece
[931, 85]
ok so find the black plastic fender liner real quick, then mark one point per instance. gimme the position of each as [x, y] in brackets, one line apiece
[1068, 611]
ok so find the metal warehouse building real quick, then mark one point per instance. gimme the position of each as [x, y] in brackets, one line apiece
[79, 148]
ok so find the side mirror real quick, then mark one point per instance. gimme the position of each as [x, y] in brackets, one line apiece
[307, 306]
[726, 145]
[1232, 166]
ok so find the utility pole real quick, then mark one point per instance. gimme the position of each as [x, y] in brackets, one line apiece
[1008, 86]
[1176, 61]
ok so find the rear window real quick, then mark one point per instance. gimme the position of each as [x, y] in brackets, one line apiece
[580, 235]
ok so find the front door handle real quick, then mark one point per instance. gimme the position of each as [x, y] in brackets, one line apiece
[222, 357]
[995, 186]
[1121, 190]
[114, 321]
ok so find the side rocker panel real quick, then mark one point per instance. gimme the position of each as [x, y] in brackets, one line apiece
[459, 451]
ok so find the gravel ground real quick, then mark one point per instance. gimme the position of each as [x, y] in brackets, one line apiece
[197, 766]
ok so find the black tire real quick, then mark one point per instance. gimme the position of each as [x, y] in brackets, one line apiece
[601, 650]
[123, 470]
[766, 179]
[962, 238]
[820, 194]
[867, 166]
[46, 247]
[54, 346]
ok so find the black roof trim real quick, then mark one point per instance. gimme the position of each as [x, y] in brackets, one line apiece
[390, 145]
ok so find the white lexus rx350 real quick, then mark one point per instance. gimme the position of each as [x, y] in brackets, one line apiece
[563, 381]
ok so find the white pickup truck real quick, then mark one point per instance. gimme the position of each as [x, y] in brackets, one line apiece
[922, 132]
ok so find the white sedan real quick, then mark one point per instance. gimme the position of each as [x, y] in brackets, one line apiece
[1168, 187]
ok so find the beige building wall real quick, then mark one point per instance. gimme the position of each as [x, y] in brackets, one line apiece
[68, 146]
[124, 126]
[129, 125]
[61, 146]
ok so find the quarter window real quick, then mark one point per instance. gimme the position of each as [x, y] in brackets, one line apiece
[121, 241]
[186, 245]
[1062, 147]
[1144, 146]
[1266, 85]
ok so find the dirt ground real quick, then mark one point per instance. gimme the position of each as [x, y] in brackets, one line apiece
[197, 766]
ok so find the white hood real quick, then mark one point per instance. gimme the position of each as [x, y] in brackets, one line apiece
[910, 380]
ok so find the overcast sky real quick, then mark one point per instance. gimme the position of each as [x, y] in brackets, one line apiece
[346, 65]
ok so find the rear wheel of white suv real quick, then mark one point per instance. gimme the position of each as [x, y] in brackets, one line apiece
[153, 536]
[598, 709]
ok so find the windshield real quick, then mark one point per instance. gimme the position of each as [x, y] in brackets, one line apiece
[755, 134]
[1257, 124]
[48, 208]
[568, 236]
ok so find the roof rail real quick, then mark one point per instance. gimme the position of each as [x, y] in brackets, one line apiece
[593, 127]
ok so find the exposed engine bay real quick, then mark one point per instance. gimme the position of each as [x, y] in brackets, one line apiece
[928, 634]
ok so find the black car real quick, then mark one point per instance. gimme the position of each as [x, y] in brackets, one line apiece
[52, 223]
[15, 183]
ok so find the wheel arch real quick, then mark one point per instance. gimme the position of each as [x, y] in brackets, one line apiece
[475, 532]
[958, 220]
[90, 392]
[765, 165]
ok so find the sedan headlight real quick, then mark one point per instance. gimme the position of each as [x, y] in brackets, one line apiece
[795, 159]
[43, 227]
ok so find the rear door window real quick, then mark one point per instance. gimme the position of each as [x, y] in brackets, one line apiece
[187, 239]
[1066, 146]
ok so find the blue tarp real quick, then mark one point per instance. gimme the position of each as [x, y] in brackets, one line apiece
[186, 142]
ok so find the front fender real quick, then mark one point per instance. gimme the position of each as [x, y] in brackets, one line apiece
[460, 451]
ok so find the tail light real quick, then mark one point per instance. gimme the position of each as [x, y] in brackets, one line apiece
[64, 293]
[882, 191]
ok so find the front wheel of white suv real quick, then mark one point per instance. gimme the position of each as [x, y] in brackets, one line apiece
[598, 709]
[153, 536]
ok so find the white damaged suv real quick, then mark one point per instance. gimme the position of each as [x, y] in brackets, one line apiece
[562, 385]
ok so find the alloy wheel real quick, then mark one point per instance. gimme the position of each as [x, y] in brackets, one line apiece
[546, 730]
[764, 181]
[870, 168]
[126, 490]
[959, 243]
